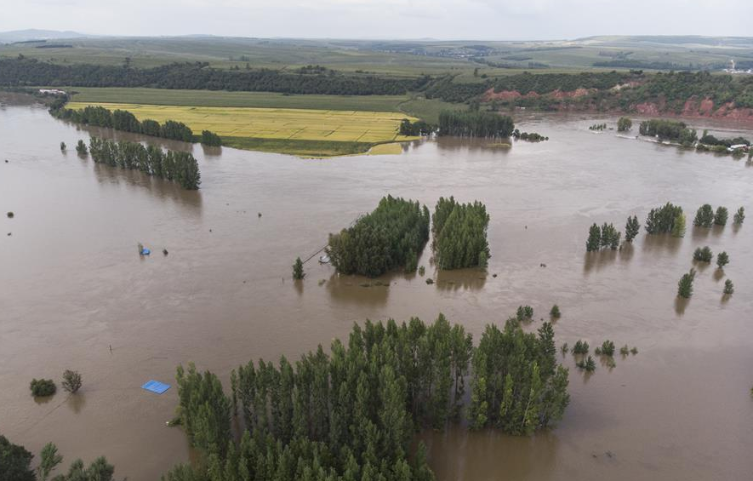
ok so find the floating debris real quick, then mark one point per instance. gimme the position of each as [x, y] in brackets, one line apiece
[11, 215]
[156, 386]
[164, 252]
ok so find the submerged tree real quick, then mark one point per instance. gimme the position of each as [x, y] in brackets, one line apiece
[703, 254]
[729, 287]
[588, 364]
[722, 259]
[624, 124]
[15, 462]
[71, 381]
[460, 234]
[704, 217]
[662, 220]
[181, 167]
[517, 382]
[524, 313]
[62, 146]
[610, 237]
[210, 138]
[594, 239]
[81, 147]
[740, 216]
[298, 273]
[678, 229]
[42, 387]
[632, 228]
[581, 347]
[385, 239]
[720, 218]
[685, 286]
[555, 312]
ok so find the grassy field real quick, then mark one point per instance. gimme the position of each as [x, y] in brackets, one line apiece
[392, 58]
[300, 131]
[219, 98]
[412, 106]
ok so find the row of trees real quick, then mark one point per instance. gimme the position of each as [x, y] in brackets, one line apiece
[412, 129]
[606, 236]
[123, 120]
[668, 130]
[709, 139]
[352, 414]
[460, 234]
[391, 236]
[475, 124]
[199, 75]
[705, 216]
[16, 465]
[181, 167]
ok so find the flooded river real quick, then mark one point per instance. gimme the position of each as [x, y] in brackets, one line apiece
[74, 293]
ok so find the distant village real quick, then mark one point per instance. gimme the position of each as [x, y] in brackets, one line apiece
[733, 69]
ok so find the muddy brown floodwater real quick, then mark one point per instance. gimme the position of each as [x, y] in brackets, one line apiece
[72, 285]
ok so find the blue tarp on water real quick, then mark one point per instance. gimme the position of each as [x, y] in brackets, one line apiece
[145, 251]
[156, 386]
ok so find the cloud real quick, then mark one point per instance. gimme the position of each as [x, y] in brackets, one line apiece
[447, 19]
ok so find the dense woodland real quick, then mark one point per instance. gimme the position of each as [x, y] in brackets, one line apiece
[460, 234]
[391, 236]
[351, 415]
[151, 160]
[25, 71]
[670, 90]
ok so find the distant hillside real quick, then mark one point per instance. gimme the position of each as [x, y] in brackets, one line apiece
[34, 34]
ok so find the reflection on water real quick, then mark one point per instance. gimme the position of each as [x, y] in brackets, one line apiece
[73, 284]
[465, 279]
[359, 290]
[662, 243]
[681, 304]
[76, 402]
[189, 200]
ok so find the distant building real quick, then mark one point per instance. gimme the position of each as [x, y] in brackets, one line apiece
[51, 92]
[733, 69]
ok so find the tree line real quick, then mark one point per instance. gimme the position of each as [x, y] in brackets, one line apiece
[460, 234]
[200, 76]
[391, 236]
[99, 116]
[351, 414]
[668, 130]
[181, 167]
[475, 124]
[16, 465]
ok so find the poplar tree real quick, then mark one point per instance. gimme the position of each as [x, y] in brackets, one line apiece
[632, 228]
[704, 217]
[685, 286]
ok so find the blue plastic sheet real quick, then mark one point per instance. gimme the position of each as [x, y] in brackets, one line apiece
[156, 386]
[145, 251]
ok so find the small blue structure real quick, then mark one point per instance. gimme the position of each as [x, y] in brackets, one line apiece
[145, 251]
[156, 386]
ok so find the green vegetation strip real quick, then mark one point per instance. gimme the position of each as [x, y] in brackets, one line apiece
[310, 148]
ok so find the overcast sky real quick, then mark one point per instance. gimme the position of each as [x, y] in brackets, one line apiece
[441, 19]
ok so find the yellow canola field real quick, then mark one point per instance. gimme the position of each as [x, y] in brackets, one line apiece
[269, 123]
